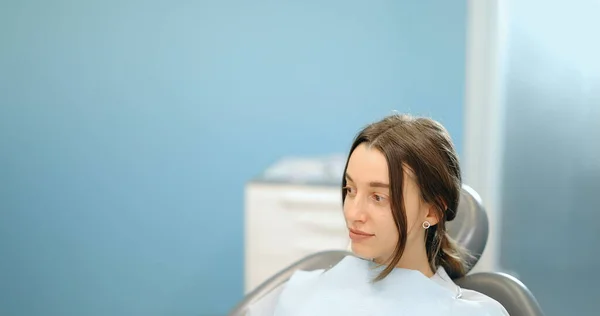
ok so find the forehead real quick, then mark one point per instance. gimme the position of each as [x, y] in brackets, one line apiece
[367, 164]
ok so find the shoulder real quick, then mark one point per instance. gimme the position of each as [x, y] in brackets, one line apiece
[301, 277]
[472, 299]
[265, 305]
[301, 281]
[484, 301]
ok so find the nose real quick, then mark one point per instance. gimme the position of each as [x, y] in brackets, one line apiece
[355, 209]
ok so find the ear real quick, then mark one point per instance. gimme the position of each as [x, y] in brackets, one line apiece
[434, 213]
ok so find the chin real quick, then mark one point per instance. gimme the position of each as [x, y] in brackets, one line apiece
[362, 252]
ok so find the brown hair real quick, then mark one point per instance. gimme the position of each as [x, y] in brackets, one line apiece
[424, 146]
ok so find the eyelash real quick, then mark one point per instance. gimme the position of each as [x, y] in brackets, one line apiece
[376, 197]
[346, 189]
[381, 198]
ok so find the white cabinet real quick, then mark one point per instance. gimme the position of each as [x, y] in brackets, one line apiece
[286, 221]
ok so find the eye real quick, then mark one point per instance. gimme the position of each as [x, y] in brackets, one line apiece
[350, 191]
[378, 198]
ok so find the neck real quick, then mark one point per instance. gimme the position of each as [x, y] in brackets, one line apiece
[415, 257]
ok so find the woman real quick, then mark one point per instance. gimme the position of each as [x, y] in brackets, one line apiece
[401, 185]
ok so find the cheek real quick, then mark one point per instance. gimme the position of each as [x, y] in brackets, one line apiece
[345, 211]
[412, 208]
[386, 225]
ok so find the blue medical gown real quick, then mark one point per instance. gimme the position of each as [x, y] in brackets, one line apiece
[348, 289]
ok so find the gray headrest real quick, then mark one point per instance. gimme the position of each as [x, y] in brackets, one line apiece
[470, 228]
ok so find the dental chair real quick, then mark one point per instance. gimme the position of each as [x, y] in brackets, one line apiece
[469, 228]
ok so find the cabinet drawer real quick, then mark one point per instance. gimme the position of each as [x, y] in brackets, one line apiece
[261, 268]
[284, 224]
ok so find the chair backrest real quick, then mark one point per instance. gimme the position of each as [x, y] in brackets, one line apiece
[469, 229]
[506, 289]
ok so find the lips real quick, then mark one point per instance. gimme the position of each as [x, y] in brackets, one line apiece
[358, 236]
[360, 233]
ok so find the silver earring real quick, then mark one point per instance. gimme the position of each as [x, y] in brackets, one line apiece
[426, 224]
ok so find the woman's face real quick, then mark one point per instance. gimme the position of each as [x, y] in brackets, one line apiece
[367, 207]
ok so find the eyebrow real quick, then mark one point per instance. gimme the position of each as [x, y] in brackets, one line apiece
[371, 184]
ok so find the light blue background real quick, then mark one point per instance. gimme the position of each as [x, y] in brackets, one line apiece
[129, 128]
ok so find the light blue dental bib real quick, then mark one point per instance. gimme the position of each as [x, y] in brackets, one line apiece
[347, 289]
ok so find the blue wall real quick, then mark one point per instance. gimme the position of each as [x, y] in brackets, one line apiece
[128, 129]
